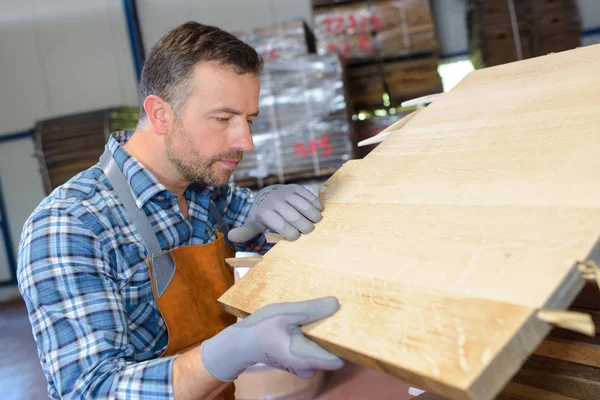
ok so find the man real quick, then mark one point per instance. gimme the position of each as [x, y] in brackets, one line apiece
[121, 267]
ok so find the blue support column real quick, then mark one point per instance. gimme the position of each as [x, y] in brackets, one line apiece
[10, 255]
[16, 136]
[135, 36]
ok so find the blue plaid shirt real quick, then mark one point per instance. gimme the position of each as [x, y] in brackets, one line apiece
[83, 274]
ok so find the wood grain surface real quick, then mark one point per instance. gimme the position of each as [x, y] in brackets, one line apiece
[445, 240]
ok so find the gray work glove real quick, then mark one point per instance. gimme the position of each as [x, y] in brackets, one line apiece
[271, 336]
[287, 209]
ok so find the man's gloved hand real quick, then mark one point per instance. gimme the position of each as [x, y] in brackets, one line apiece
[287, 209]
[271, 336]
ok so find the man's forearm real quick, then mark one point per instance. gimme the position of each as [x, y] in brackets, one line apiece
[191, 379]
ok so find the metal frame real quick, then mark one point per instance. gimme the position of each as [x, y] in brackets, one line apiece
[4, 224]
[135, 36]
[16, 136]
[10, 255]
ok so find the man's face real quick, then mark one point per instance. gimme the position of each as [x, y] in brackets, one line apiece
[208, 140]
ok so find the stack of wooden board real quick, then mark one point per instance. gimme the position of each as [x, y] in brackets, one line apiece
[367, 28]
[400, 80]
[447, 240]
[303, 128]
[68, 145]
[544, 26]
[284, 40]
[389, 47]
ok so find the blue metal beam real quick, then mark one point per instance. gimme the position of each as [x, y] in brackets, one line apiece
[135, 36]
[4, 227]
[16, 136]
[591, 32]
[10, 255]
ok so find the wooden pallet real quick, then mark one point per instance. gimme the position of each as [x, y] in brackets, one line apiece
[70, 144]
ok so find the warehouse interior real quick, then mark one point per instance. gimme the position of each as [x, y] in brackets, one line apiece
[336, 73]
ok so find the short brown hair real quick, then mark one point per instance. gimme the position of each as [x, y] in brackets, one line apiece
[171, 61]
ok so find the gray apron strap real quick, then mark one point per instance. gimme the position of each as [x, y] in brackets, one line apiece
[121, 188]
[163, 265]
[221, 223]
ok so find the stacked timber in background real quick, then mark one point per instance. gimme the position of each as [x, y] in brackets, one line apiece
[68, 145]
[401, 80]
[303, 129]
[544, 26]
[285, 40]
[565, 366]
[388, 45]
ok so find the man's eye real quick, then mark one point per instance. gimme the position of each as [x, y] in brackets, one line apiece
[222, 120]
[250, 122]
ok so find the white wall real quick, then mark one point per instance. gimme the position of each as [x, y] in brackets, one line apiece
[21, 185]
[159, 16]
[56, 57]
[62, 56]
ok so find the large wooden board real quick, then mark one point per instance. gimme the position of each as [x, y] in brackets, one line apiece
[444, 242]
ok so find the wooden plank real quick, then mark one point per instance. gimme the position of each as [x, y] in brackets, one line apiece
[445, 241]
[578, 337]
[563, 367]
[582, 353]
[519, 391]
[243, 262]
[578, 388]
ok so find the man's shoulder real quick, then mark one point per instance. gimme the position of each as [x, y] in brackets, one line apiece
[85, 193]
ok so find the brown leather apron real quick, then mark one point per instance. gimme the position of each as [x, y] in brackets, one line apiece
[186, 281]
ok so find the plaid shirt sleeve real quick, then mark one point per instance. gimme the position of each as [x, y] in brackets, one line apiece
[77, 314]
[238, 204]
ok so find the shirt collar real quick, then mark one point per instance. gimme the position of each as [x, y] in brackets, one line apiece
[143, 184]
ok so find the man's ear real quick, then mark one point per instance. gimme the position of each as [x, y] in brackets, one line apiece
[159, 113]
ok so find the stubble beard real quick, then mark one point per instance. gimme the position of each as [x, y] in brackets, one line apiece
[196, 168]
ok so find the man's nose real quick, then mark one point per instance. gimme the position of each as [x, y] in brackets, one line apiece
[243, 137]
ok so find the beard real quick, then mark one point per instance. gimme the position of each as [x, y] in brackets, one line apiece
[192, 166]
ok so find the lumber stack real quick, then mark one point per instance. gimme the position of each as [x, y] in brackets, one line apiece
[389, 47]
[381, 27]
[70, 144]
[303, 128]
[544, 26]
[284, 40]
[400, 80]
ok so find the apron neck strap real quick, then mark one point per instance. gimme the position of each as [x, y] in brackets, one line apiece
[121, 188]
[139, 218]
[221, 223]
